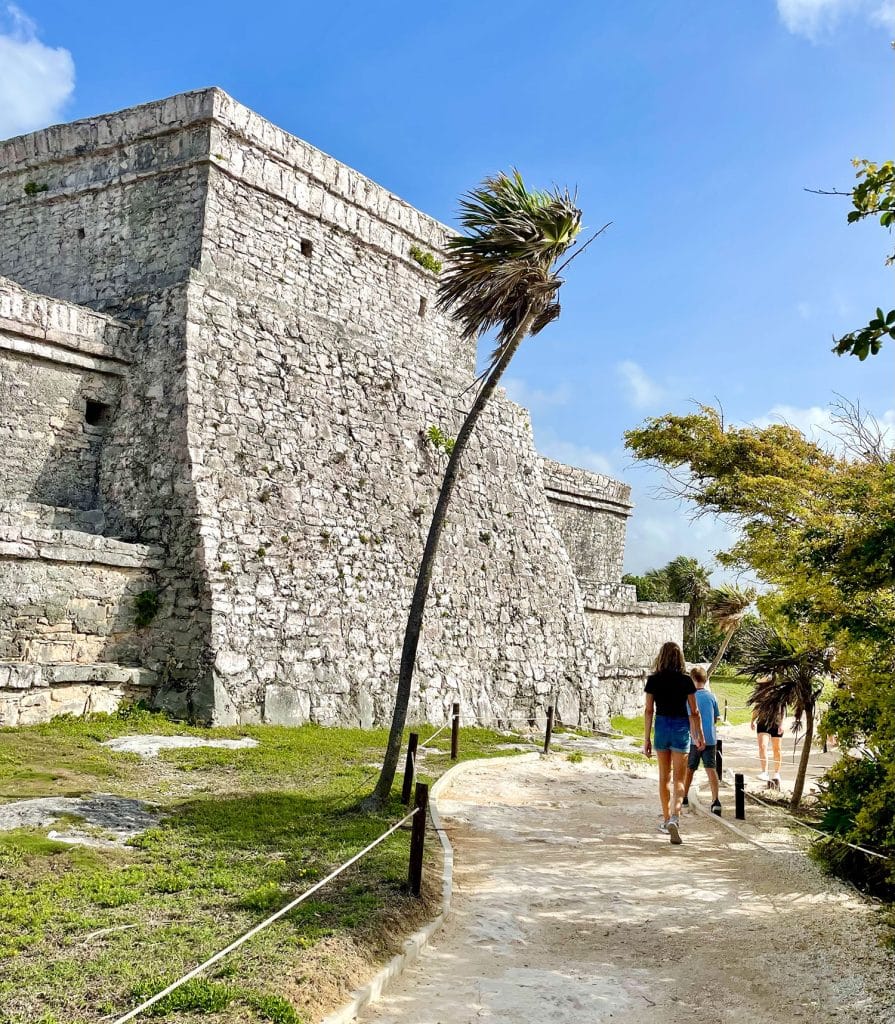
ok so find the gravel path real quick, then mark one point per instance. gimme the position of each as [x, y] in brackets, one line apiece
[570, 907]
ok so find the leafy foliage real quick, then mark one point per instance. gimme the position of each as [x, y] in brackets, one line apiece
[873, 196]
[425, 259]
[819, 527]
[146, 606]
[32, 188]
[439, 439]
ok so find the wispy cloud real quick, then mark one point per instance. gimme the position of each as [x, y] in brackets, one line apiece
[641, 389]
[524, 394]
[816, 422]
[36, 80]
[817, 18]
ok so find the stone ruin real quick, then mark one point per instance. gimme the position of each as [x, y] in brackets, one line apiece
[218, 364]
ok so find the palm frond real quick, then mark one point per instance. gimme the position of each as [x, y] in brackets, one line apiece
[727, 605]
[786, 675]
[500, 272]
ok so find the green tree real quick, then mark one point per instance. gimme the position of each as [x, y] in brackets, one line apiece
[818, 526]
[690, 583]
[873, 196]
[500, 275]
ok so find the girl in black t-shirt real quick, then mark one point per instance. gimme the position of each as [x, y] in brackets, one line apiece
[670, 699]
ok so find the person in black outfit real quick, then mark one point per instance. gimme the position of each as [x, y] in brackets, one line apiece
[670, 698]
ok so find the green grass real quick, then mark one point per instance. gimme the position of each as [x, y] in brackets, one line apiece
[86, 932]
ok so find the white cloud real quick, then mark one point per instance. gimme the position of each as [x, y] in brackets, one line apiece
[817, 18]
[36, 80]
[642, 391]
[536, 398]
[816, 422]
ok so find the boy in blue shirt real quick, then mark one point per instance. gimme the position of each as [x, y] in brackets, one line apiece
[709, 714]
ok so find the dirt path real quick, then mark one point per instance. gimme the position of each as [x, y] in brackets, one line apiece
[570, 907]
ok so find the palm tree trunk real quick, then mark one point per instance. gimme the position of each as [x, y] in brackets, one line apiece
[799, 784]
[720, 652]
[421, 591]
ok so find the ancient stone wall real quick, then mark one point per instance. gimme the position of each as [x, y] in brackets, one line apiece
[591, 512]
[627, 635]
[263, 395]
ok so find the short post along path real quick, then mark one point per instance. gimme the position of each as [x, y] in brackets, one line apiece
[570, 907]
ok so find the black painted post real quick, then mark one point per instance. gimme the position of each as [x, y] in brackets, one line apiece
[409, 767]
[455, 731]
[740, 796]
[418, 839]
[549, 732]
[719, 761]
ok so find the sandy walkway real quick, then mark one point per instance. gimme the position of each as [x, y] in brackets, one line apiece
[569, 907]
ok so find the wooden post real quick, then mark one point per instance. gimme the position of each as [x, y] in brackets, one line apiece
[719, 760]
[455, 731]
[418, 839]
[409, 767]
[740, 796]
[725, 711]
[549, 732]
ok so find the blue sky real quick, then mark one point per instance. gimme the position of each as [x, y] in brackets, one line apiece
[693, 126]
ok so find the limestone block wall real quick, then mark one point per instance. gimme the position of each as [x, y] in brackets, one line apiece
[275, 360]
[627, 635]
[60, 377]
[315, 487]
[120, 205]
[591, 512]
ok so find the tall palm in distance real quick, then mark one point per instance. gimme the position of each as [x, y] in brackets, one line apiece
[689, 582]
[787, 675]
[500, 275]
[727, 606]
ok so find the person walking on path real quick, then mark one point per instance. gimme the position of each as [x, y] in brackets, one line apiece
[671, 700]
[709, 714]
[772, 730]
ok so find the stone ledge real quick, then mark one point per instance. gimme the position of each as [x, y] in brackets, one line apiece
[17, 675]
[56, 354]
[583, 487]
[59, 323]
[25, 540]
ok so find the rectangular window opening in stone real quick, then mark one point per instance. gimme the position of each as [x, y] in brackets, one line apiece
[96, 414]
[81, 232]
[307, 248]
[424, 303]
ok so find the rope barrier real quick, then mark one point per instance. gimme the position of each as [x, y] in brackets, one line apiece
[820, 832]
[264, 924]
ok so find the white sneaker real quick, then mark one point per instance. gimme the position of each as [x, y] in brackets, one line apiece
[662, 827]
[671, 827]
[764, 776]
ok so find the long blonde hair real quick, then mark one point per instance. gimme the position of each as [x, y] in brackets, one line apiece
[670, 659]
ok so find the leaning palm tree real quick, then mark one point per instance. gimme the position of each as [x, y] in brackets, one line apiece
[726, 606]
[500, 275]
[786, 675]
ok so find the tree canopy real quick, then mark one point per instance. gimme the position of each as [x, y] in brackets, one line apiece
[817, 525]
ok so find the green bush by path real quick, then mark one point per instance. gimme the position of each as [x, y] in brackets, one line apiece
[87, 932]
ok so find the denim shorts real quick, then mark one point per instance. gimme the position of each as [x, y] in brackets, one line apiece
[672, 734]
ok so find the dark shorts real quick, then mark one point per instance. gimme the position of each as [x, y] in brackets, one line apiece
[706, 755]
[771, 728]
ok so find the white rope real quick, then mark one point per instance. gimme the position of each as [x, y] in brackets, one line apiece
[820, 832]
[259, 927]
